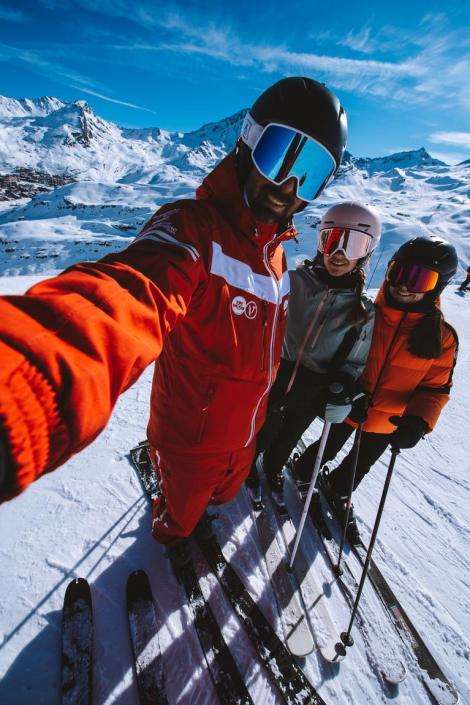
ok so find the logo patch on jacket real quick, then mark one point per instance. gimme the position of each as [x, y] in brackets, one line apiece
[240, 306]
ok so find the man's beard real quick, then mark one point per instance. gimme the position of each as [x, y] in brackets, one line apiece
[266, 211]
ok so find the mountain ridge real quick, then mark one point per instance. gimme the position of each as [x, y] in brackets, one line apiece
[72, 183]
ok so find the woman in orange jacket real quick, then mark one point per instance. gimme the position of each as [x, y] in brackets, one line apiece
[408, 374]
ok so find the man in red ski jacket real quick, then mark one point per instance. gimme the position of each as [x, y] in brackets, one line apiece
[202, 291]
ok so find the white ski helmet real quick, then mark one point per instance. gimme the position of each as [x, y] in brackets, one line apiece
[356, 216]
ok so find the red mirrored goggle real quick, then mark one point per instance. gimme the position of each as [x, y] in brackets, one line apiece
[353, 243]
[416, 278]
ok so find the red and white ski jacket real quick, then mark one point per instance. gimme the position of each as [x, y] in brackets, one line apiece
[203, 289]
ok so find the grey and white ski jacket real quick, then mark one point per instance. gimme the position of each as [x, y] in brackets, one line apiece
[318, 319]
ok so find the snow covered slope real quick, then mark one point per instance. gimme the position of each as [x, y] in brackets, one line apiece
[89, 518]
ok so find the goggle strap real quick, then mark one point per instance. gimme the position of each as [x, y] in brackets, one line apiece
[251, 131]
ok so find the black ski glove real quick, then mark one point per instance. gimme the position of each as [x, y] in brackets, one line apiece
[360, 408]
[410, 430]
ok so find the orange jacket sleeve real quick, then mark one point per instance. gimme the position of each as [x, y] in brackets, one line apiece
[430, 397]
[73, 343]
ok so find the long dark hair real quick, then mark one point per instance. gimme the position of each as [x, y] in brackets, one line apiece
[360, 313]
[425, 340]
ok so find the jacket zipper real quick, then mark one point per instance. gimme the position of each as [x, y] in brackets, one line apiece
[205, 408]
[300, 351]
[265, 326]
[389, 350]
[278, 284]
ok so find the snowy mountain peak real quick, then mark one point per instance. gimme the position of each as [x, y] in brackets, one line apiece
[223, 133]
[21, 107]
[402, 160]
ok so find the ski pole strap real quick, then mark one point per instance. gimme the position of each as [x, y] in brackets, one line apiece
[344, 348]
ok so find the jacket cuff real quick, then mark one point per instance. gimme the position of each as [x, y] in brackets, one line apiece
[32, 430]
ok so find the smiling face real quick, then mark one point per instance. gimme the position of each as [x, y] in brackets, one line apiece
[269, 202]
[403, 296]
[337, 264]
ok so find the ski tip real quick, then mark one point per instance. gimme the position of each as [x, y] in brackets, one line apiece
[138, 585]
[77, 589]
[139, 446]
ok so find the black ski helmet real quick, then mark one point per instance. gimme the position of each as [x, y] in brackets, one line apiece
[308, 106]
[435, 253]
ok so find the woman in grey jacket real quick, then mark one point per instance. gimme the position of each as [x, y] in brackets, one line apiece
[329, 330]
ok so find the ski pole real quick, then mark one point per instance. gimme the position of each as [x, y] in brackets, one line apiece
[316, 468]
[346, 637]
[369, 283]
[355, 449]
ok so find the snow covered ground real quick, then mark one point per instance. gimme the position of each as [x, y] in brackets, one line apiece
[89, 518]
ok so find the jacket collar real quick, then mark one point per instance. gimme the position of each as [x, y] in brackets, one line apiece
[221, 187]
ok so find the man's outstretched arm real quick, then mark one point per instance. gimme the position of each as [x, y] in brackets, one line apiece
[72, 344]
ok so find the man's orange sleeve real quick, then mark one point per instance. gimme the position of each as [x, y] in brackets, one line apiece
[72, 344]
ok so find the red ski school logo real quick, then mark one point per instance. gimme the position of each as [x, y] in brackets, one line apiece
[240, 306]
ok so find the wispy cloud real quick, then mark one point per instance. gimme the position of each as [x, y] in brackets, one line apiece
[12, 15]
[113, 100]
[427, 65]
[458, 139]
[360, 41]
[448, 157]
[223, 44]
[62, 74]
[423, 67]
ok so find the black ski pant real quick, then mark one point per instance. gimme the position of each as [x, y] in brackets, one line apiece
[371, 448]
[289, 416]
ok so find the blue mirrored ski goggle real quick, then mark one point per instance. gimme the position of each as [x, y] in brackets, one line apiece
[280, 153]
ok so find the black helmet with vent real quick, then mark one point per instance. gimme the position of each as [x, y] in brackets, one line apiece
[308, 106]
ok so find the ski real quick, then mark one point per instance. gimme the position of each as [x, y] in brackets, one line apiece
[436, 683]
[297, 635]
[282, 667]
[143, 630]
[433, 678]
[277, 524]
[77, 644]
[389, 665]
[223, 670]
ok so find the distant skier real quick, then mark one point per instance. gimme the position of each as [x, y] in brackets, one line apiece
[329, 330]
[466, 283]
[408, 374]
[203, 289]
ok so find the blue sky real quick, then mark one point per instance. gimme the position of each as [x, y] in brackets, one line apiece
[400, 68]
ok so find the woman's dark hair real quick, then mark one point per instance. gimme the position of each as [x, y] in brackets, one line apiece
[425, 340]
[360, 313]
